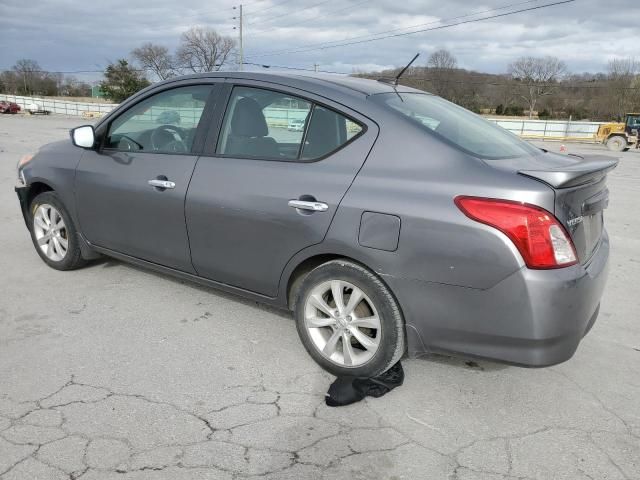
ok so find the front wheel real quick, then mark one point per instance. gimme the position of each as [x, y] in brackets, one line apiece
[617, 143]
[53, 233]
[348, 320]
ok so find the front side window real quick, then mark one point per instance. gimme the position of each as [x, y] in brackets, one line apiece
[265, 124]
[464, 129]
[163, 123]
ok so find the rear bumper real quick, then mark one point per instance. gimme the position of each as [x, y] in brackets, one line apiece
[532, 318]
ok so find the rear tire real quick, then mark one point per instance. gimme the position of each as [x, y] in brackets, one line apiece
[617, 143]
[361, 334]
[53, 233]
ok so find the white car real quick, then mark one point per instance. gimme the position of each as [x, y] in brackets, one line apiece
[296, 125]
[34, 108]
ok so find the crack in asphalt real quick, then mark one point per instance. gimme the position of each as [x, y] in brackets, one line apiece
[25, 429]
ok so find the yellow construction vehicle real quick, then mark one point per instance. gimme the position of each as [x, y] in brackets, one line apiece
[620, 137]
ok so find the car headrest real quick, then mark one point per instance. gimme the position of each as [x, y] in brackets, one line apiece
[248, 119]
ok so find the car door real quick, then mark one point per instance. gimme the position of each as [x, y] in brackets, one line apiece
[268, 191]
[130, 192]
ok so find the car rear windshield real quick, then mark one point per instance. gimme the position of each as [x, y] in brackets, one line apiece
[458, 126]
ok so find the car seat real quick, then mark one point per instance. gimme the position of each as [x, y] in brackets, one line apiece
[249, 132]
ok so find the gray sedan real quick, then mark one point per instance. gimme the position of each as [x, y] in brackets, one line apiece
[393, 222]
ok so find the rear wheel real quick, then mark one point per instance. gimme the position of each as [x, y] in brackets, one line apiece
[617, 143]
[53, 233]
[348, 320]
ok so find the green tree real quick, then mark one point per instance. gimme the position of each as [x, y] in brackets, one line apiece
[121, 81]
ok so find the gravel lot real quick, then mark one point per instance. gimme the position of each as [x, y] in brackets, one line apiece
[113, 372]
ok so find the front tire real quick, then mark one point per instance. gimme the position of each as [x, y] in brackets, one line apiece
[348, 320]
[617, 143]
[53, 233]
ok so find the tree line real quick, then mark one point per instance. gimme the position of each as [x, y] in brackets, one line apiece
[199, 50]
[26, 77]
[537, 87]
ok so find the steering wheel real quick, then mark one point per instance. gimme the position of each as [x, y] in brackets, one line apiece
[168, 138]
[128, 143]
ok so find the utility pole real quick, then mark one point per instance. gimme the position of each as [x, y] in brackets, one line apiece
[241, 49]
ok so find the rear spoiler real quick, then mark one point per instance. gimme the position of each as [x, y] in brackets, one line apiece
[582, 172]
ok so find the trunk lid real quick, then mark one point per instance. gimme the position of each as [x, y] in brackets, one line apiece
[581, 193]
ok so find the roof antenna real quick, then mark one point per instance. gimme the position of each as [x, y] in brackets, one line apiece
[397, 79]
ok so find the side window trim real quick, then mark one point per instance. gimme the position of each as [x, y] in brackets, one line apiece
[212, 143]
[207, 118]
[219, 110]
[198, 145]
[305, 132]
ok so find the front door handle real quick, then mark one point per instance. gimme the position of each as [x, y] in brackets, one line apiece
[310, 206]
[161, 183]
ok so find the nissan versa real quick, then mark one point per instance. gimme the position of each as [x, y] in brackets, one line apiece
[392, 221]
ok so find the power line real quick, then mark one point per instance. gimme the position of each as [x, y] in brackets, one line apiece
[348, 7]
[440, 27]
[399, 28]
[269, 8]
[245, 4]
[294, 68]
[65, 71]
[288, 14]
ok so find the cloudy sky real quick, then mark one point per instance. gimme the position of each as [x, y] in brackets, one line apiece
[70, 35]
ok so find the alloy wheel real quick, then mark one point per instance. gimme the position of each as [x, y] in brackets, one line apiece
[342, 323]
[50, 232]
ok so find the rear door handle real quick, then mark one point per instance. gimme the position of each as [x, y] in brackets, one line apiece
[161, 183]
[310, 206]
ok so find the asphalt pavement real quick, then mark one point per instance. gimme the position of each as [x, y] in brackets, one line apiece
[115, 372]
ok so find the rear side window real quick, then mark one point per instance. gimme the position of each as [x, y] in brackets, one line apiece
[327, 132]
[271, 125]
[465, 130]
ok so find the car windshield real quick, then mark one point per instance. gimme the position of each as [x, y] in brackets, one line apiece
[464, 129]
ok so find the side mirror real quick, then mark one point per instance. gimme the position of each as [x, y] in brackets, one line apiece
[83, 136]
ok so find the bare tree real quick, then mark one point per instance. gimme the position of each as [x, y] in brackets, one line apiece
[155, 59]
[204, 50]
[622, 77]
[29, 72]
[442, 66]
[442, 59]
[538, 76]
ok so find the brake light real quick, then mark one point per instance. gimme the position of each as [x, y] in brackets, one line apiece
[537, 234]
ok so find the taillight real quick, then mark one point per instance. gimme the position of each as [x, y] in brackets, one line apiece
[541, 240]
